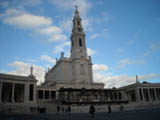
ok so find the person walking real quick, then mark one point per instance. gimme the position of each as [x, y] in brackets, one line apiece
[69, 110]
[58, 109]
[92, 110]
[62, 109]
[109, 109]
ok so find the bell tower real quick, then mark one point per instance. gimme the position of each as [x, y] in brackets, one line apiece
[81, 63]
[78, 45]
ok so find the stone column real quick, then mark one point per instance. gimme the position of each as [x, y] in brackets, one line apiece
[26, 93]
[35, 93]
[50, 94]
[13, 89]
[123, 95]
[108, 96]
[149, 95]
[119, 94]
[113, 96]
[143, 99]
[43, 94]
[137, 95]
[155, 94]
[1, 85]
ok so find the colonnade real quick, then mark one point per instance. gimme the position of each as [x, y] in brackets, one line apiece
[149, 94]
[44, 94]
[88, 95]
[17, 92]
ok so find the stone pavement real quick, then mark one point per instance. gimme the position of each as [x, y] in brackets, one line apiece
[152, 114]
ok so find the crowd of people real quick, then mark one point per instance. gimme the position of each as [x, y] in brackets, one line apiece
[67, 110]
[64, 109]
[41, 110]
[92, 110]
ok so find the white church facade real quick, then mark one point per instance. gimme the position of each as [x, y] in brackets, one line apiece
[70, 81]
[76, 70]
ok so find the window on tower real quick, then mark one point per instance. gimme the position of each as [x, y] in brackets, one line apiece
[80, 42]
[79, 30]
[78, 22]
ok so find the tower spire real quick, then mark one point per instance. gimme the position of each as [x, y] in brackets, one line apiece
[78, 48]
[76, 8]
[81, 65]
[76, 13]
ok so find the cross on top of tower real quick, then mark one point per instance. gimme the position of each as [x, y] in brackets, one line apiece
[76, 7]
[76, 13]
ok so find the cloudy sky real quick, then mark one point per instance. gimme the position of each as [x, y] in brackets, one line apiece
[122, 36]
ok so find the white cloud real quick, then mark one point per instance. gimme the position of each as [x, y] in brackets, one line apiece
[123, 62]
[100, 67]
[50, 30]
[31, 2]
[28, 21]
[57, 37]
[121, 80]
[83, 8]
[48, 59]
[87, 24]
[66, 24]
[23, 19]
[83, 5]
[37, 24]
[31, 60]
[152, 48]
[93, 36]
[90, 52]
[60, 48]
[22, 68]
[2, 71]
[149, 76]
[11, 12]
[105, 17]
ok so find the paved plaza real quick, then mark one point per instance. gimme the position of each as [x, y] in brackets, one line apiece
[152, 114]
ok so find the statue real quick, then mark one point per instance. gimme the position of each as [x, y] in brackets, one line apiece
[137, 81]
[31, 70]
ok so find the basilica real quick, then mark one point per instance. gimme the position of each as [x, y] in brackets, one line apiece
[70, 82]
[75, 71]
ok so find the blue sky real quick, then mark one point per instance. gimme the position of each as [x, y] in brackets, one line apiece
[122, 36]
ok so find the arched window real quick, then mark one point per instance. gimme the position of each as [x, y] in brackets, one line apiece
[79, 30]
[80, 42]
[78, 23]
[82, 69]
